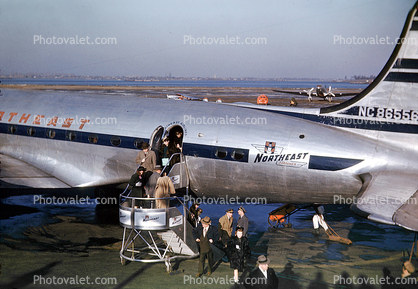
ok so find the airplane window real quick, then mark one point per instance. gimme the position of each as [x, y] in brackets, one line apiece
[138, 143]
[31, 131]
[115, 141]
[12, 129]
[302, 136]
[93, 138]
[71, 135]
[50, 133]
[221, 153]
[237, 154]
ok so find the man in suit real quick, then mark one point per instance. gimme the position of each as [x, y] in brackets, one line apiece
[243, 220]
[225, 226]
[205, 234]
[263, 277]
[146, 158]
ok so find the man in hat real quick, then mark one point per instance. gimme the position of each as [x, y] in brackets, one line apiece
[205, 235]
[243, 220]
[263, 276]
[146, 157]
[225, 226]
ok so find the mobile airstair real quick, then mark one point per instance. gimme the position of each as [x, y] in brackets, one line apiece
[156, 235]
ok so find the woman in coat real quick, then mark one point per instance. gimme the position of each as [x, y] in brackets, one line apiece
[164, 189]
[238, 250]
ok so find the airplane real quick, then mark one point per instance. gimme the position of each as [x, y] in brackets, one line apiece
[362, 152]
[320, 91]
[179, 96]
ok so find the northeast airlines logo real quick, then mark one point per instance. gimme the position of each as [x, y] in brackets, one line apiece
[270, 153]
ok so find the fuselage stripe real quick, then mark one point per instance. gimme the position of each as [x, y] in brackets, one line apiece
[402, 77]
[127, 142]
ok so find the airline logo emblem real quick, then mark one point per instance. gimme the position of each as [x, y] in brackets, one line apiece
[270, 153]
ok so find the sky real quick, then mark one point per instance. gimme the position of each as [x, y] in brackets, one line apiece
[233, 38]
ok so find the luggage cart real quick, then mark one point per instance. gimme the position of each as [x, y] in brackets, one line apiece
[154, 235]
[281, 215]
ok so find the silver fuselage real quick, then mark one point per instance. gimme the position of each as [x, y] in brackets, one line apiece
[290, 173]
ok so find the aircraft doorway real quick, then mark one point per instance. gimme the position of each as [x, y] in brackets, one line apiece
[168, 144]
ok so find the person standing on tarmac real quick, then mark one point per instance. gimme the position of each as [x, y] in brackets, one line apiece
[238, 251]
[243, 220]
[318, 219]
[205, 235]
[225, 226]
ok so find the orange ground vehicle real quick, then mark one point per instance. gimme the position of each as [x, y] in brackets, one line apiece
[262, 99]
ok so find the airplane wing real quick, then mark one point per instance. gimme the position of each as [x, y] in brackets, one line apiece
[389, 198]
[299, 92]
[18, 174]
[304, 92]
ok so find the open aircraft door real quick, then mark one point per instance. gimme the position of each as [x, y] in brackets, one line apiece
[155, 140]
[178, 172]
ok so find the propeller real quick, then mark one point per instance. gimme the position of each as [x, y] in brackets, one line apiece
[329, 98]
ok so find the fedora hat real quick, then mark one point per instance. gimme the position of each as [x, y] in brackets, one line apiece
[205, 220]
[263, 260]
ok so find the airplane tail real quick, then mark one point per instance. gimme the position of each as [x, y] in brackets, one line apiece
[392, 97]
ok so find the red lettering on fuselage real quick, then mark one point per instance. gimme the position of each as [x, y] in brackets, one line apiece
[39, 119]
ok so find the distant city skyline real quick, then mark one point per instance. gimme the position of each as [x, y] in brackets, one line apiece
[168, 76]
[233, 39]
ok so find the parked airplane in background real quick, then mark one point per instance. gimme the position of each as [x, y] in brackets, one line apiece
[363, 151]
[179, 96]
[320, 91]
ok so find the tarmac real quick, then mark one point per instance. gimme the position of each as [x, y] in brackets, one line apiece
[77, 246]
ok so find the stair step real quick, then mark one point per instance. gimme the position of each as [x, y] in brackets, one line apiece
[177, 244]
